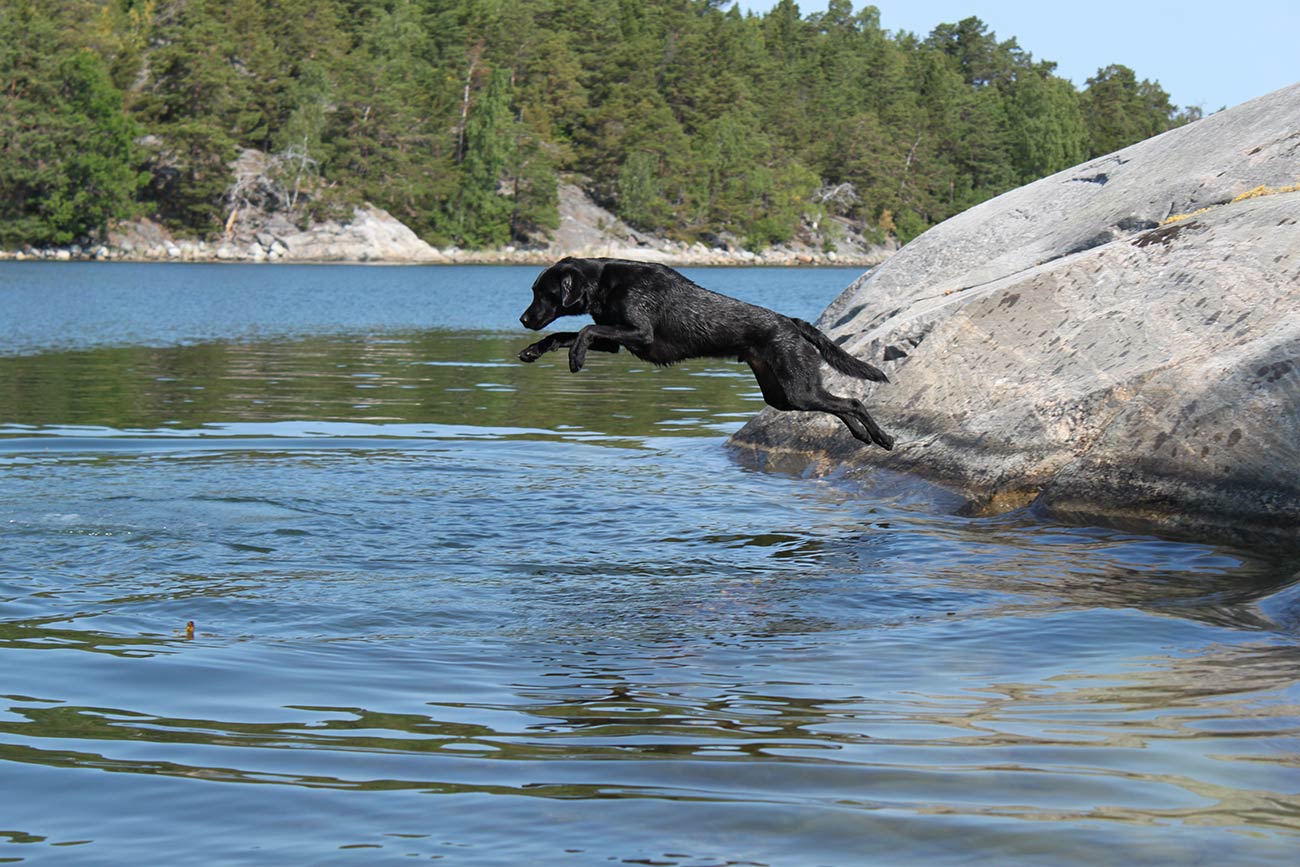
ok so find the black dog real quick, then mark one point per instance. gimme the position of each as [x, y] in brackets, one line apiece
[662, 317]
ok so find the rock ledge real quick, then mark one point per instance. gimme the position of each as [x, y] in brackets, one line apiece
[1059, 346]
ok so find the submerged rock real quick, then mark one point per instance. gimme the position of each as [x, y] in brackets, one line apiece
[1064, 345]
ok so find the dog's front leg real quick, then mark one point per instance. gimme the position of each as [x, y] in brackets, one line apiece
[560, 340]
[549, 343]
[600, 336]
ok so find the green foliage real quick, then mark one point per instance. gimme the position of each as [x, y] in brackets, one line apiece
[67, 160]
[1048, 132]
[1122, 110]
[96, 177]
[459, 116]
[641, 198]
[483, 214]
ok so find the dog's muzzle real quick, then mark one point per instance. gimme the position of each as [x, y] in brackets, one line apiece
[534, 320]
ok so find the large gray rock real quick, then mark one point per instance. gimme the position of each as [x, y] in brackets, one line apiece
[1058, 346]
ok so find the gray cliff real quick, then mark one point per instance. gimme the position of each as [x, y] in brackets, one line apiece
[1066, 345]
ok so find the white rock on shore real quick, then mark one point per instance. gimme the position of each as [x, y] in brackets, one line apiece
[373, 235]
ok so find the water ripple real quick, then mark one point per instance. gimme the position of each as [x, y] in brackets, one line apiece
[364, 595]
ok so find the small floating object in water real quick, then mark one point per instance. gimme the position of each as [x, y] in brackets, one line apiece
[189, 630]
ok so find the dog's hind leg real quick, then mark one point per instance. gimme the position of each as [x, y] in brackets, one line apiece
[860, 422]
[852, 413]
[769, 384]
[794, 378]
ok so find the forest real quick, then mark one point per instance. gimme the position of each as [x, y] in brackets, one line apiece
[687, 118]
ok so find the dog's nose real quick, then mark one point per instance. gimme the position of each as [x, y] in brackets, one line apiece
[523, 320]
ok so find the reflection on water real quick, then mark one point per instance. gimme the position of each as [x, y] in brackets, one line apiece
[453, 607]
[467, 380]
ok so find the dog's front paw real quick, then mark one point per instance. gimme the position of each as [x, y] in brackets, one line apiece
[529, 354]
[577, 356]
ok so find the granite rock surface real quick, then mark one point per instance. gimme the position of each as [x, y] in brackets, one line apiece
[1069, 345]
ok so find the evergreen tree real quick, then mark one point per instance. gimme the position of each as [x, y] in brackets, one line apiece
[1120, 110]
[388, 138]
[482, 213]
[1046, 127]
[67, 159]
[981, 59]
[654, 173]
[532, 185]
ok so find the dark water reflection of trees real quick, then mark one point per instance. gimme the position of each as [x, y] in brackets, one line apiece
[431, 377]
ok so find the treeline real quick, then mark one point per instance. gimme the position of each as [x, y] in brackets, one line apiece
[688, 117]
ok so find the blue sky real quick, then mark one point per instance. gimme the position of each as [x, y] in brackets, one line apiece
[1211, 54]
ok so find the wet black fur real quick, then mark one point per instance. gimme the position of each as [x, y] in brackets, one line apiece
[662, 317]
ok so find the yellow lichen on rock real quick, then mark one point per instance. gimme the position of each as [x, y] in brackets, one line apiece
[1179, 217]
[1264, 190]
[1261, 190]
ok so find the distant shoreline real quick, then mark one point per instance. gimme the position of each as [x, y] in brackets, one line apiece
[371, 235]
[708, 258]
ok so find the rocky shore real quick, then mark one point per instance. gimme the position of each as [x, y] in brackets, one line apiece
[373, 235]
[1118, 343]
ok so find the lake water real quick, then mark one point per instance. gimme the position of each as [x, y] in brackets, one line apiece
[449, 606]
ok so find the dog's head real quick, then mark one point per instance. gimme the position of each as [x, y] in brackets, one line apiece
[560, 290]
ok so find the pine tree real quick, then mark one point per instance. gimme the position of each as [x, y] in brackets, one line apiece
[1046, 126]
[68, 163]
[482, 214]
[388, 138]
[1119, 110]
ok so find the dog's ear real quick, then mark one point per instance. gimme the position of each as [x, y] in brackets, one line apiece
[571, 288]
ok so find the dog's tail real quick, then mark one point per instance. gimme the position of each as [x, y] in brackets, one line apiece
[837, 357]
